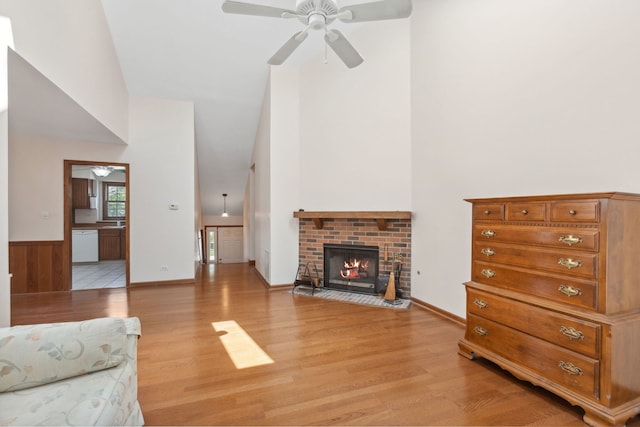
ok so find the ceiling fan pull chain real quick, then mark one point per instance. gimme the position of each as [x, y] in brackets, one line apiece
[326, 59]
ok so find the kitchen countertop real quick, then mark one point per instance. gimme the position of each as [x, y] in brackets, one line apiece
[97, 226]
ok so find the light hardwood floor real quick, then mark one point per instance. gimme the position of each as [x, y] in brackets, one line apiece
[334, 363]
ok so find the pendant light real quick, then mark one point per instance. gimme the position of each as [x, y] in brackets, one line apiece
[224, 212]
[101, 171]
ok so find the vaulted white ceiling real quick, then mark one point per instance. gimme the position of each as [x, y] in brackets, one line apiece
[191, 50]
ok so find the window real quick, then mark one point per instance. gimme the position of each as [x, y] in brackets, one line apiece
[115, 200]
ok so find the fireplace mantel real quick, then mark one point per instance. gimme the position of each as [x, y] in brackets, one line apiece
[380, 217]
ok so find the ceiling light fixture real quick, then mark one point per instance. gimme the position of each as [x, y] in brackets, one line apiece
[101, 171]
[224, 212]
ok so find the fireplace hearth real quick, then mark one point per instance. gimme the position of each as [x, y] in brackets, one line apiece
[351, 268]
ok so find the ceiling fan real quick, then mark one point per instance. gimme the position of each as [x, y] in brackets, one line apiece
[317, 15]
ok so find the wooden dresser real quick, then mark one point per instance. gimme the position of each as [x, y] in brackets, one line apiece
[554, 297]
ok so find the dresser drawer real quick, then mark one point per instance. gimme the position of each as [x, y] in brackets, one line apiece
[566, 331]
[525, 211]
[488, 211]
[565, 367]
[566, 238]
[578, 211]
[572, 291]
[581, 264]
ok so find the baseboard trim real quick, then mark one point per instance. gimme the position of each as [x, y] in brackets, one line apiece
[440, 312]
[419, 303]
[163, 283]
[269, 286]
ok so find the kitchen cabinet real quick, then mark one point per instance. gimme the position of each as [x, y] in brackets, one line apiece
[111, 246]
[81, 190]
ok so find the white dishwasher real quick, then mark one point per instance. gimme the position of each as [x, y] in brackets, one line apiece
[84, 245]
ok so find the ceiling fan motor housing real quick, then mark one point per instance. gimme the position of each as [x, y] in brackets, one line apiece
[309, 13]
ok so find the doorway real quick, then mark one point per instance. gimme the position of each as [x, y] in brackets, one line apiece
[224, 245]
[212, 245]
[96, 224]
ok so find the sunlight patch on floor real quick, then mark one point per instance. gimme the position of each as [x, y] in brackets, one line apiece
[242, 349]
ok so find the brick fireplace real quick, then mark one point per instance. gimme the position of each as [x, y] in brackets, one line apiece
[389, 231]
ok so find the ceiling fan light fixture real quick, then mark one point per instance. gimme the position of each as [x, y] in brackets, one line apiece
[317, 21]
[318, 15]
[101, 171]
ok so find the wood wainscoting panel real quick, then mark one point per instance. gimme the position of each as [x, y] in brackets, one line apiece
[36, 266]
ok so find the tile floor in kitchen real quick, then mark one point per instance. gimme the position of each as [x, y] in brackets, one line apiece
[102, 274]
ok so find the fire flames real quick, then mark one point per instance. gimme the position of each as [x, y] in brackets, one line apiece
[354, 269]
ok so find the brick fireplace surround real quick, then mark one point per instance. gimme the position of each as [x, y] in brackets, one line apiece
[392, 229]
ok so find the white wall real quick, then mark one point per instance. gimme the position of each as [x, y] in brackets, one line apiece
[6, 39]
[161, 152]
[262, 189]
[355, 146]
[36, 183]
[69, 42]
[339, 139]
[160, 157]
[514, 98]
[217, 220]
[286, 170]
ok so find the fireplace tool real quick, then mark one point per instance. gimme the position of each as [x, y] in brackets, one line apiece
[391, 294]
[307, 275]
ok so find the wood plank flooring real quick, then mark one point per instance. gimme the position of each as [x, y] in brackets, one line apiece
[334, 363]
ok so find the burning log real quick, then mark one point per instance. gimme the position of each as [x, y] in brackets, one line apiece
[354, 269]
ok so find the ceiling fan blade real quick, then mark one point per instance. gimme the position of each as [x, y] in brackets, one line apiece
[376, 11]
[341, 46]
[254, 9]
[287, 49]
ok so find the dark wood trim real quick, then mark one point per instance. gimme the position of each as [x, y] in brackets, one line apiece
[380, 217]
[35, 242]
[36, 266]
[163, 283]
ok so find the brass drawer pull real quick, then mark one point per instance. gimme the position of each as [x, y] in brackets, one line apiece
[488, 252]
[487, 212]
[481, 304]
[572, 333]
[570, 368]
[488, 273]
[524, 211]
[569, 263]
[481, 331]
[572, 212]
[488, 233]
[570, 291]
[570, 240]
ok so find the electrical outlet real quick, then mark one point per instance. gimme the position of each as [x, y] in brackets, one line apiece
[164, 268]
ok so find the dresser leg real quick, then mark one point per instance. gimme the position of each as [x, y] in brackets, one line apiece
[464, 350]
[595, 420]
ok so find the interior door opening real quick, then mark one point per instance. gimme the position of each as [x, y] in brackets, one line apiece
[96, 223]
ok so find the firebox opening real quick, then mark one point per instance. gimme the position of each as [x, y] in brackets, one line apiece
[351, 268]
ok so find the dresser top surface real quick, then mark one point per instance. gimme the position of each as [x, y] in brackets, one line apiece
[558, 197]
